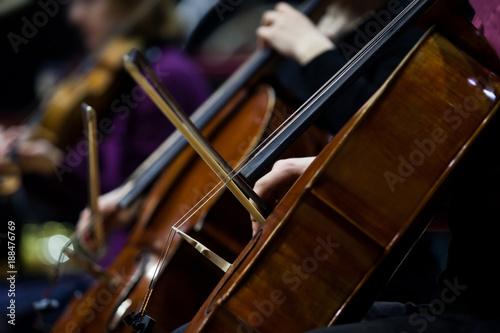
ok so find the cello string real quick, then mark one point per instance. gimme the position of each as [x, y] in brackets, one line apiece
[167, 246]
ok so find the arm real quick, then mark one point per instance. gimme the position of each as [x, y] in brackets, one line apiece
[293, 35]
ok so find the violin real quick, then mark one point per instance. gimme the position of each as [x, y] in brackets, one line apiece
[57, 119]
[238, 116]
[61, 122]
[340, 232]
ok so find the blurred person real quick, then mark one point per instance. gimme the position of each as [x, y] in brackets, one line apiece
[136, 128]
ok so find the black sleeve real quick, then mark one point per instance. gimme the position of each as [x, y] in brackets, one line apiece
[323, 67]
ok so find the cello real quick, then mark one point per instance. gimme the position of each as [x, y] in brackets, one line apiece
[339, 233]
[241, 100]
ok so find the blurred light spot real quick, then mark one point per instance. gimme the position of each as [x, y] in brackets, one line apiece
[151, 272]
[153, 54]
[490, 94]
[473, 81]
[53, 247]
[123, 307]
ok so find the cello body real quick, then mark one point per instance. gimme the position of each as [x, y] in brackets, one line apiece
[255, 113]
[340, 232]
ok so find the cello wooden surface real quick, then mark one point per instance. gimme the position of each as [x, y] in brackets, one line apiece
[340, 232]
[188, 179]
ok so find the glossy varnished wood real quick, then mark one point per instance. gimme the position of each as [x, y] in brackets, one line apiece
[61, 122]
[181, 290]
[346, 223]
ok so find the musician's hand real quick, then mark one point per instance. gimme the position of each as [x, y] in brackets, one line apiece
[272, 186]
[113, 216]
[341, 17]
[35, 156]
[39, 156]
[292, 34]
[7, 138]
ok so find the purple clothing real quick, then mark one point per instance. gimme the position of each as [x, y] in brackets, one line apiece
[487, 20]
[131, 130]
[138, 126]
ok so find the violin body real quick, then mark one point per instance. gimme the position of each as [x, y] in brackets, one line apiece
[343, 228]
[61, 119]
